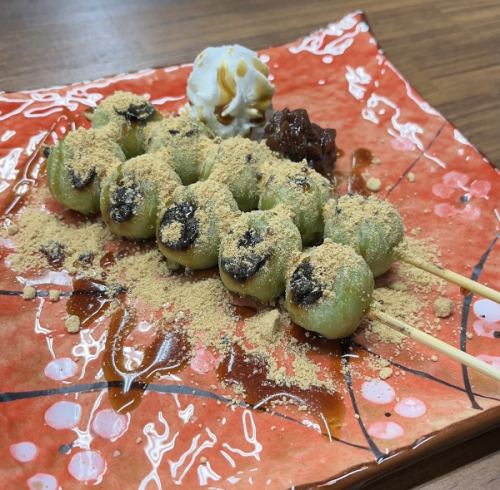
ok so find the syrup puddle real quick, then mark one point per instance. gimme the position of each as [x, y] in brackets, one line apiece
[249, 372]
[88, 301]
[167, 353]
[361, 159]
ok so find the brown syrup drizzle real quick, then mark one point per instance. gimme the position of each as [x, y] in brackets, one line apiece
[88, 301]
[227, 119]
[167, 353]
[361, 159]
[247, 370]
[107, 260]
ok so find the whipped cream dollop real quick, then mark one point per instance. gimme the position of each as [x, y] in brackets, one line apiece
[229, 90]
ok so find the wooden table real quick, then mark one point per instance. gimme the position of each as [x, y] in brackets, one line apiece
[448, 49]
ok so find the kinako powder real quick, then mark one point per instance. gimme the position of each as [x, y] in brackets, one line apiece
[42, 240]
[201, 299]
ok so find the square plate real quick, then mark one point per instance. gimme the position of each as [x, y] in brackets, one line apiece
[58, 428]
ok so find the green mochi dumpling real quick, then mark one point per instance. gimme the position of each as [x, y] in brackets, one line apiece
[328, 290]
[236, 163]
[125, 115]
[132, 197]
[371, 226]
[256, 253]
[78, 164]
[303, 192]
[187, 141]
[190, 227]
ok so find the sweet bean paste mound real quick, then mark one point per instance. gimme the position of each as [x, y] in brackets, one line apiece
[294, 136]
[250, 208]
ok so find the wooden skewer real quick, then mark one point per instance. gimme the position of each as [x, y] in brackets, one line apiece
[455, 278]
[434, 343]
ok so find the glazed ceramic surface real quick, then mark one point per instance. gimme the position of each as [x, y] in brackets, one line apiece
[58, 427]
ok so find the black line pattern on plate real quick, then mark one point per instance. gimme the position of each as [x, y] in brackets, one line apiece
[346, 370]
[84, 388]
[42, 294]
[467, 301]
[424, 374]
[13, 396]
[5, 292]
[64, 294]
[416, 160]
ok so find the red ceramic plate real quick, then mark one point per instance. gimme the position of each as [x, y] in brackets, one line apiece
[57, 426]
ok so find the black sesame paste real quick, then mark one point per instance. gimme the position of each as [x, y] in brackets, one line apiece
[79, 181]
[138, 112]
[250, 238]
[183, 213]
[305, 289]
[244, 267]
[123, 203]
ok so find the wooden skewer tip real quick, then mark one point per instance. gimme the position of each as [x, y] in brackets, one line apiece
[435, 343]
[458, 279]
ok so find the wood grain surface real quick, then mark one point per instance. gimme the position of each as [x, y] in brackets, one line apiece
[448, 49]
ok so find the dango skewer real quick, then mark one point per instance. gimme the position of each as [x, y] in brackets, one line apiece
[329, 291]
[374, 228]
